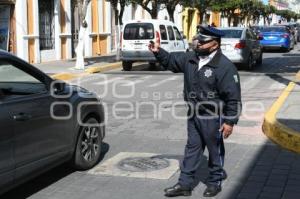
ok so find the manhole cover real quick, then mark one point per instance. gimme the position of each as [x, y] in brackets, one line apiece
[143, 164]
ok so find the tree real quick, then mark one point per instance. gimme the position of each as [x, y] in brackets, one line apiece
[202, 6]
[118, 13]
[153, 11]
[171, 6]
[118, 20]
[268, 10]
[287, 14]
[252, 10]
[82, 6]
[227, 8]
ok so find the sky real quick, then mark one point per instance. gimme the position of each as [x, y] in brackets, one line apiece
[265, 1]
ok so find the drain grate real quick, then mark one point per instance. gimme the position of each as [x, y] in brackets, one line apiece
[143, 164]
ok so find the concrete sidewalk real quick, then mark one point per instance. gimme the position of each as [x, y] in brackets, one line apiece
[289, 114]
[282, 121]
[64, 69]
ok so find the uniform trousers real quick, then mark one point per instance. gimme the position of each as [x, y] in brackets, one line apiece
[203, 132]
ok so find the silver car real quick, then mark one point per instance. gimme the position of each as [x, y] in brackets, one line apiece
[241, 45]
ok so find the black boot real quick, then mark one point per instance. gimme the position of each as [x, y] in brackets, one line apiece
[177, 190]
[212, 190]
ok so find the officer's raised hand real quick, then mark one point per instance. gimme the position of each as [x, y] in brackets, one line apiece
[154, 46]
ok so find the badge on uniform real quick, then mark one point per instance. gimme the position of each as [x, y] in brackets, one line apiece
[208, 73]
[236, 79]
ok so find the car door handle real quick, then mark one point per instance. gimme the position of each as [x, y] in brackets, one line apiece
[22, 117]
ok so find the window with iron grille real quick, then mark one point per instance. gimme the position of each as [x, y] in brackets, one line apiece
[46, 19]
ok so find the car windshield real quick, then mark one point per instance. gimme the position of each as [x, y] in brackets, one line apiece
[273, 29]
[257, 28]
[138, 31]
[230, 33]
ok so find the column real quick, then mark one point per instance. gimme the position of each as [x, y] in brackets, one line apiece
[21, 29]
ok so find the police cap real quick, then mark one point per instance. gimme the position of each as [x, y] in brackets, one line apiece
[207, 33]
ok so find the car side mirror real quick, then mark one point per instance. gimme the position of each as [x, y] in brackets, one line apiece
[57, 87]
[260, 37]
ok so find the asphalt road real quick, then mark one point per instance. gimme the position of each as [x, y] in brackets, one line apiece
[146, 113]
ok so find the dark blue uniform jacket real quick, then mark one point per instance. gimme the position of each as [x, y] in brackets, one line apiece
[215, 87]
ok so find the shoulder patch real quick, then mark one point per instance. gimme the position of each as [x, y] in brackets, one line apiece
[236, 79]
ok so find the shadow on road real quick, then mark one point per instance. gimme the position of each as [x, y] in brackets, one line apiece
[41, 182]
[271, 174]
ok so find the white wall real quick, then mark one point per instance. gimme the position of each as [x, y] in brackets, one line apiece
[21, 29]
[132, 13]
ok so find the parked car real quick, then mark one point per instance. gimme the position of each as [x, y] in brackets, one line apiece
[256, 29]
[277, 37]
[43, 123]
[137, 34]
[241, 46]
[293, 33]
[297, 31]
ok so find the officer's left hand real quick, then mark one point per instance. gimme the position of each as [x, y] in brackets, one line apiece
[226, 129]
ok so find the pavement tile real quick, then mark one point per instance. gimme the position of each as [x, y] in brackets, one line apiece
[290, 195]
[279, 171]
[276, 183]
[255, 178]
[270, 195]
[250, 195]
[273, 189]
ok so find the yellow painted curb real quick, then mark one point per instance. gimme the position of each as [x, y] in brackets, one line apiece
[98, 69]
[65, 76]
[91, 70]
[276, 131]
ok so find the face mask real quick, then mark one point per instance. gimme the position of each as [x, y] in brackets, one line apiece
[202, 52]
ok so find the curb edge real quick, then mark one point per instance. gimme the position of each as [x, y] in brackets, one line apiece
[276, 131]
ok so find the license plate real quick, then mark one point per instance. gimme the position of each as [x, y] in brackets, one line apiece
[138, 46]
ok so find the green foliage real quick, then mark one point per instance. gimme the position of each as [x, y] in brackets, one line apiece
[287, 14]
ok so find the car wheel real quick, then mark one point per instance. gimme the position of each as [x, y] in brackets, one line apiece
[127, 66]
[286, 49]
[88, 146]
[260, 59]
[152, 65]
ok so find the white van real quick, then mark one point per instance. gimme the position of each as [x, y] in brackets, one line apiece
[137, 34]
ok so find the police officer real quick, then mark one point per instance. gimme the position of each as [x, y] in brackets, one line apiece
[213, 94]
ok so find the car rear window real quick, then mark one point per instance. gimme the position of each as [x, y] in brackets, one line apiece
[232, 33]
[137, 31]
[273, 29]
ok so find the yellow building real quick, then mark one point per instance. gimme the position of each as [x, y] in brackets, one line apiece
[47, 30]
[191, 18]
